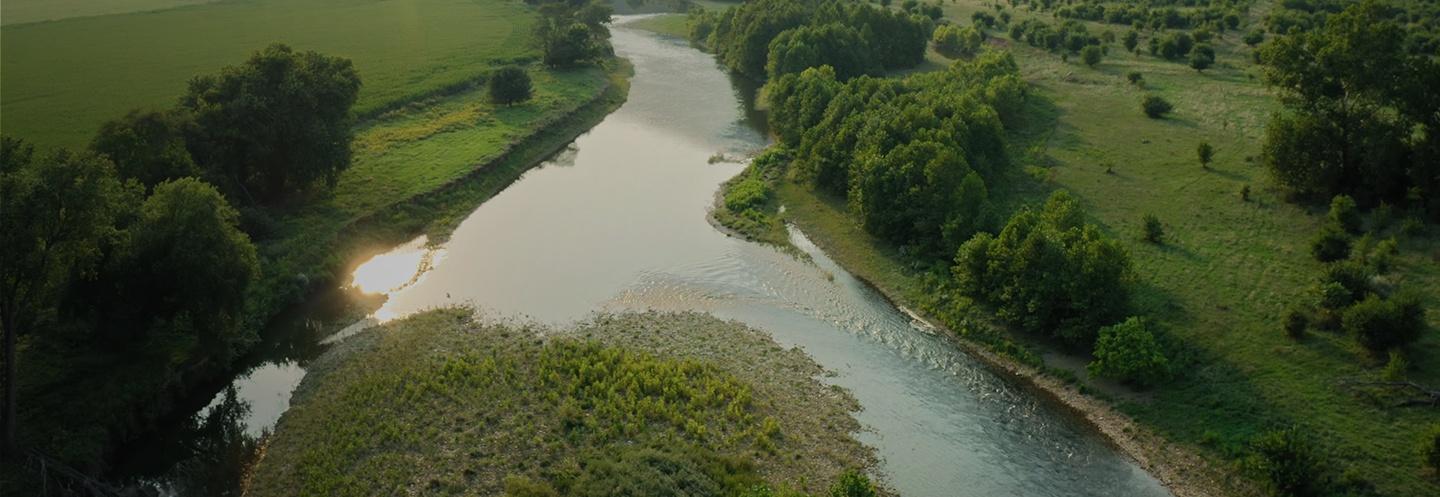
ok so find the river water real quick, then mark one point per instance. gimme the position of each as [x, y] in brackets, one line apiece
[617, 221]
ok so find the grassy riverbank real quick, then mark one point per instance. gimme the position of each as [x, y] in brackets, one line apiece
[1219, 285]
[650, 403]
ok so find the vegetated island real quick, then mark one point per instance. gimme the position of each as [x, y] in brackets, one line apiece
[442, 403]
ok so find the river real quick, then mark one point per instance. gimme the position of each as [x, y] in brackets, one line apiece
[617, 221]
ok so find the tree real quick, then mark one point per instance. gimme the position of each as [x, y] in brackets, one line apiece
[1381, 324]
[57, 211]
[1202, 57]
[1289, 463]
[955, 42]
[1344, 214]
[1295, 323]
[1134, 77]
[838, 46]
[1091, 55]
[509, 85]
[1154, 231]
[1155, 107]
[852, 484]
[148, 146]
[186, 266]
[1330, 245]
[280, 121]
[1205, 153]
[1254, 37]
[1128, 351]
[1132, 40]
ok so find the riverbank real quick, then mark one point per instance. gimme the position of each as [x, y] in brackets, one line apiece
[444, 403]
[417, 170]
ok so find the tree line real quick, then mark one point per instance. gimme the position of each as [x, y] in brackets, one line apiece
[770, 38]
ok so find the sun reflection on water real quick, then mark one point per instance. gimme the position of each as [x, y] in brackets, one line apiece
[393, 270]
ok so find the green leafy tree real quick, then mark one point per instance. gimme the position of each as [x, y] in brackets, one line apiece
[1381, 324]
[853, 484]
[1254, 37]
[1131, 40]
[280, 121]
[510, 85]
[1345, 214]
[1205, 153]
[1091, 55]
[1289, 463]
[1155, 107]
[148, 146]
[58, 210]
[1202, 57]
[1128, 351]
[1154, 231]
[186, 266]
[956, 42]
[838, 46]
[1330, 245]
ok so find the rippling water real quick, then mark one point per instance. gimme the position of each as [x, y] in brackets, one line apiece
[617, 222]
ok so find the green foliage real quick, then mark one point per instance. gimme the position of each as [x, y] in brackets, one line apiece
[1254, 37]
[911, 157]
[853, 484]
[574, 33]
[1205, 153]
[1429, 449]
[1381, 324]
[1330, 245]
[742, 37]
[510, 85]
[837, 46]
[1154, 231]
[1395, 368]
[1290, 464]
[1049, 272]
[185, 269]
[1128, 351]
[1202, 57]
[1295, 323]
[1091, 55]
[1134, 77]
[1131, 40]
[1155, 107]
[747, 194]
[148, 147]
[1344, 214]
[278, 122]
[957, 42]
[1356, 121]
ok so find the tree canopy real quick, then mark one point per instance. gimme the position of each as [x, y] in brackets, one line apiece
[279, 121]
[509, 85]
[148, 146]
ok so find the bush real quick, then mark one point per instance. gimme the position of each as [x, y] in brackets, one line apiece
[1135, 77]
[1289, 464]
[1245, 193]
[853, 484]
[1155, 107]
[747, 194]
[1430, 449]
[1295, 323]
[1330, 245]
[1254, 37]
[1154, 231]
[1129, 352]
[1396, 367]
[1381, 324]
[509, 85]
[1205, 153]
[1091, 55]
[1344, 213]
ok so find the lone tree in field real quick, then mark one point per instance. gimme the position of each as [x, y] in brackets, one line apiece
[1202, 57]
[509, 85]
[1155, 107]
[1091, 55]
[1205, 153]
[278, 122]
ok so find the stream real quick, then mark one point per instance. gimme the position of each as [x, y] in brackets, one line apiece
[616, 222]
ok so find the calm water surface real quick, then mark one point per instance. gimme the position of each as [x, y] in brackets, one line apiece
[617, 222]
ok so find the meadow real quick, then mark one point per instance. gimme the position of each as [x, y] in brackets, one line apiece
[639, 404]
[59, 80]
[1221, 282]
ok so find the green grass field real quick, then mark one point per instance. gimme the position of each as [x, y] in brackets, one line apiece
[676, 25]
[27, 11]
[1229, 268]
[60, 80]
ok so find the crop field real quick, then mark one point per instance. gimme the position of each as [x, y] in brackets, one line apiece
[60, 80]
[1229, 267]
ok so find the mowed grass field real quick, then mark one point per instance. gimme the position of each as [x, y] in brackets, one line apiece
[1228, 270]
[27, 11]
[60, 80]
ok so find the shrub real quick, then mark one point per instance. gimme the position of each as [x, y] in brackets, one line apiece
[1154, 231]
[1330, 245]
[1289, 464]
[747, 194]
[853, 484]
[1334, 296]
[509, 85]
[1091, 55]
[1353, 277]
[1295, 323]
[1205, 153]
[1135, 77]
[1381, 324]
[1396, 367]
[1155, 107]
[1430, 449]
[1344, 213]
[1129, 352]
[1202, 57]
[1254, 37]
[1245, 193]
